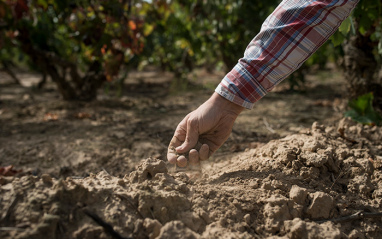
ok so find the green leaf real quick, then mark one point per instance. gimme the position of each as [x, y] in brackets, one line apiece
[358, 118]
[148, 29]
[337, 38]
[362, 110]
[345, 26]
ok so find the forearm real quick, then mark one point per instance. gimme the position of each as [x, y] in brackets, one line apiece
[292, 33]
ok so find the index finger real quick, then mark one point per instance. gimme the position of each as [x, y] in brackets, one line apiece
[171, 152]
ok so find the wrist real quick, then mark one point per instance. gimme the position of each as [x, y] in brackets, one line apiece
[225, 104]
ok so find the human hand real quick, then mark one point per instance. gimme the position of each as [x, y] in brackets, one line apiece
[203, 131]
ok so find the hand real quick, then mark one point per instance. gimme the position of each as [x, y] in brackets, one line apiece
[203, 131]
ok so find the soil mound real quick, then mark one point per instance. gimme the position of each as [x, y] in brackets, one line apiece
[323, 183]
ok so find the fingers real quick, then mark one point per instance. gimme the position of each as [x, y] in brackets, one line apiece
[201, 153]
[181, 161]
[186, 140]
[192, 135]
[193, 157]
[204, 152]
[172, 155]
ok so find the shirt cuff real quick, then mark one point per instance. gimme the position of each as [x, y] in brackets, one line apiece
[240, 87]
[233, 98]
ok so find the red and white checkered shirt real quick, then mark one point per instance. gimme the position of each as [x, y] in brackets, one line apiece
[292, 33]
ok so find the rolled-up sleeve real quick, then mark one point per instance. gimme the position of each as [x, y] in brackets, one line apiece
[292, 33]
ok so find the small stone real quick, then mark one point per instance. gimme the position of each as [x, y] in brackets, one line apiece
[152, 227]
[321, 206]
[247, 219]
[298, 194]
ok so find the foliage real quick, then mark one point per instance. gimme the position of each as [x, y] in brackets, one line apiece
[362, 110]
[366, 19]
[205, 32]
[80, 44]
[227, 26]
[361, 37]
[172, 44]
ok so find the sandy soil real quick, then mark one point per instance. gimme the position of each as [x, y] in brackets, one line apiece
[292, 168]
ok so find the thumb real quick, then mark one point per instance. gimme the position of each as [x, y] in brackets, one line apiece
[192, 135]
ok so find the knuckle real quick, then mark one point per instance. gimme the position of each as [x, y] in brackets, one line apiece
[193, 122]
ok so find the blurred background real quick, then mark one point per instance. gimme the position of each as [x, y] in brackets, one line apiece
[81, 45]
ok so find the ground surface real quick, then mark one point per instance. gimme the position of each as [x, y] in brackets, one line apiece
[279, 174]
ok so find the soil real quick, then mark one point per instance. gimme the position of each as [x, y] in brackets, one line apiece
[292, 168]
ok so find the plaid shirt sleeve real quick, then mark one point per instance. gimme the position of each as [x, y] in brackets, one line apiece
[292, 33]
